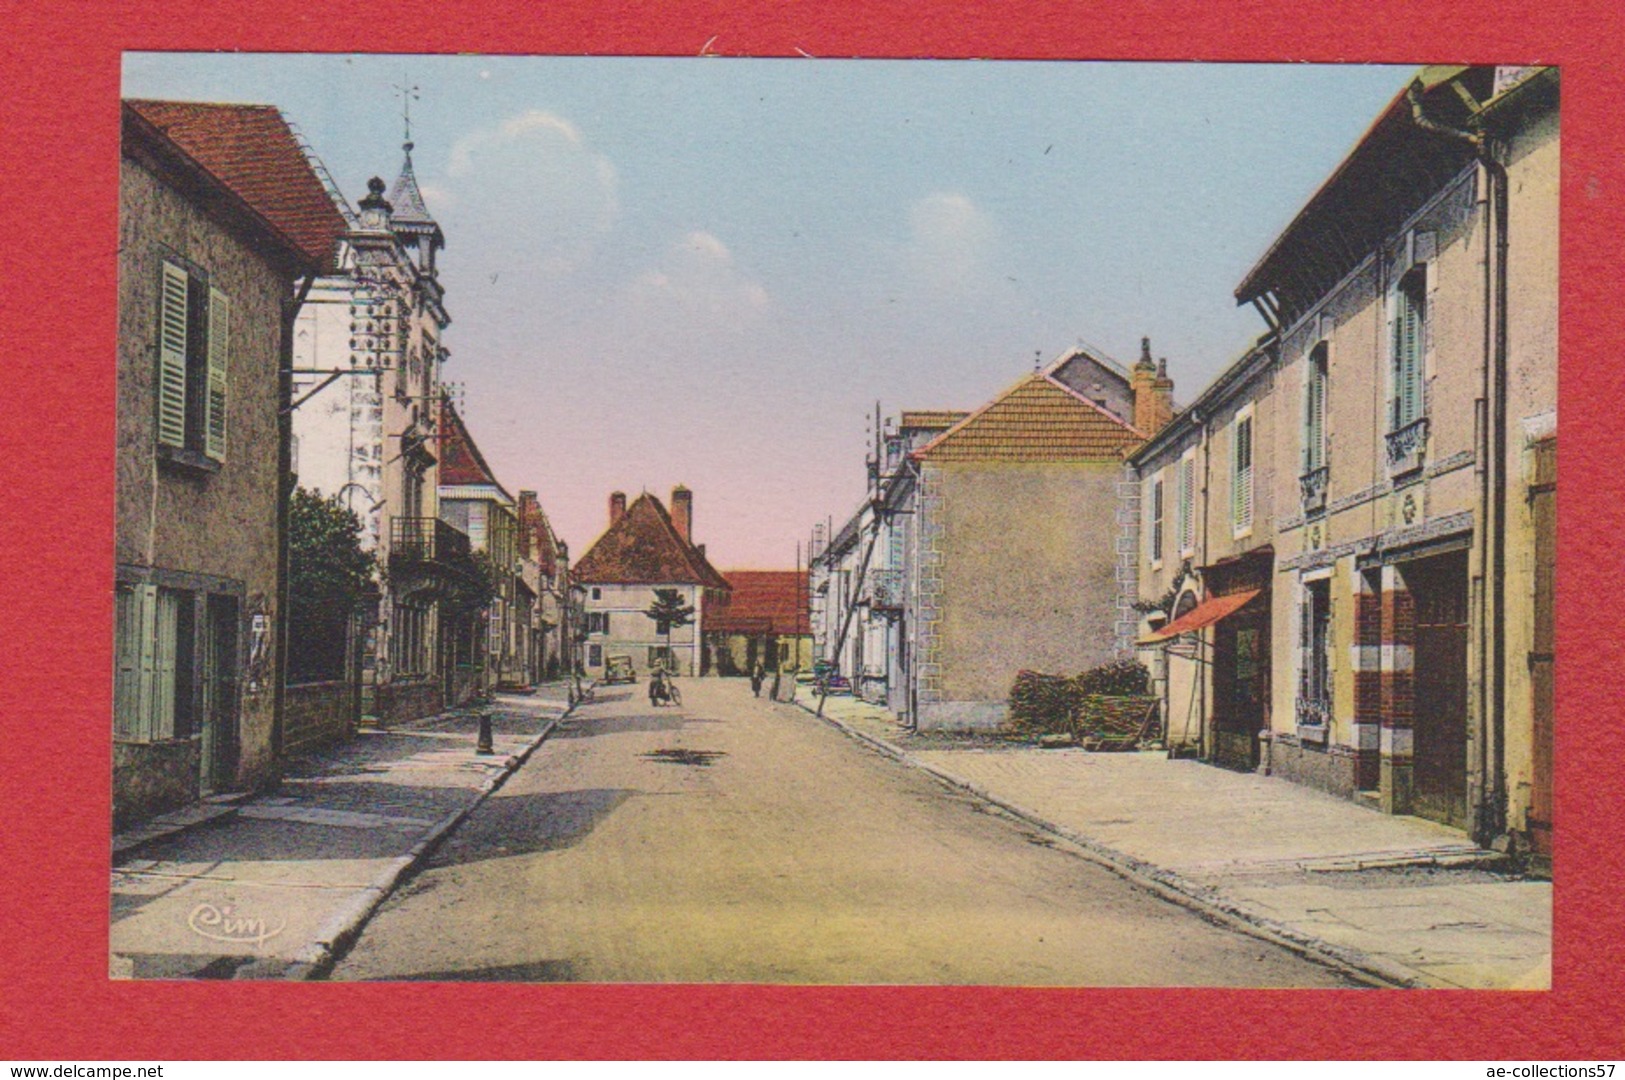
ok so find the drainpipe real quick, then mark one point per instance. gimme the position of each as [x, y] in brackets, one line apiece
[1491, 812]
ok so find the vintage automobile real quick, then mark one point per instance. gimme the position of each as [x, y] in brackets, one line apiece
[618, 669]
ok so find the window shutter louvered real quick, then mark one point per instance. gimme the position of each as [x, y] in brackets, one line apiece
[1306, 653]
[214, 430]
[1241, 474]
[127, 656]
[164, 661]
[172, 319]
[145, 621]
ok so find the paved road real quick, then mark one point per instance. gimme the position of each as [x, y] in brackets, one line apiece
[736, 840]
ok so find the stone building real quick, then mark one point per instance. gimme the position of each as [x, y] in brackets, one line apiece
[1017, 520]
[222, 221]
[645, 548]
[368, 352]
[764, 621]
[1405, 407]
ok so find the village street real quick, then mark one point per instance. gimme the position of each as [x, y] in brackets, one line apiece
[739, 840]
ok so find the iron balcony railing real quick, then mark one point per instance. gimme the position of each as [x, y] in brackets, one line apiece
[1405, 446]
[1312, 484]
[425, 539]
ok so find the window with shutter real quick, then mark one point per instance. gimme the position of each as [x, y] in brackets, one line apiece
[1410, 313]
[1241, 474]
[1156, 518]
[1187, 505]
[174, 309]
[1314, 425]
[132, 657]
[214, 433]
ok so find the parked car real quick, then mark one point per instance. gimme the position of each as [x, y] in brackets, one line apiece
[618, 669]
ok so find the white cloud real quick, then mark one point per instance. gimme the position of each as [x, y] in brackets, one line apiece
[536, 182]
[951, 240]
[698, 282]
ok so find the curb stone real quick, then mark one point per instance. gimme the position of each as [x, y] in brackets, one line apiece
[340, 931]
[1204, 900]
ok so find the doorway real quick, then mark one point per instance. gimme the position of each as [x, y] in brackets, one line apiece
[217, 757]
[1241, 671]
[1438, 588]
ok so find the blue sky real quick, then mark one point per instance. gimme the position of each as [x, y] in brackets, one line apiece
[707, 270]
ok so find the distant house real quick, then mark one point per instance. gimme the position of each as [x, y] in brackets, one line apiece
[646, 548]
[765, 620]
[222, 218]
[546, 572]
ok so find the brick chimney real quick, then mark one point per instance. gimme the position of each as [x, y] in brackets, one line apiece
[617, 506]
[527, 519]
[682, 512]
[1153, 392]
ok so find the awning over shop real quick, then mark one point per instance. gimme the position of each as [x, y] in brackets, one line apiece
[1203, 615]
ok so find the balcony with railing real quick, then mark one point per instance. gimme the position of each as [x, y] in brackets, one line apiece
[425, 539]
[1405, 447]
[1312, 486]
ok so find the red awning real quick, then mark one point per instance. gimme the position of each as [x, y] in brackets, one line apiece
[1203, 615]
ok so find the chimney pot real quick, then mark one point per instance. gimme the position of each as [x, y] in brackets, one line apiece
[617, 506]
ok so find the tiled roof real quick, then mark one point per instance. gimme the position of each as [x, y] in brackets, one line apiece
[642, 548]
[461, 462]
[252, 152]
[536, 535]
[408, 210]
[763, 602]
[1036, 420]
[931, 419]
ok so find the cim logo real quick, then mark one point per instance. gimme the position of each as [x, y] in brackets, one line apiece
[224, 924]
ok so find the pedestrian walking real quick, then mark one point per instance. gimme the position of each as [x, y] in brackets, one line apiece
[756, 677]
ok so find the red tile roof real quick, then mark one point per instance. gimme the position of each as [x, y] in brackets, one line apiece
[763, 602]
[642, 548]
[1037, 420]
[253, 153]
[931, 419]
[460, 459]
[536, 537]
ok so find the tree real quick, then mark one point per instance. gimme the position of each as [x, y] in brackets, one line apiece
[669, 611]
[329, 575]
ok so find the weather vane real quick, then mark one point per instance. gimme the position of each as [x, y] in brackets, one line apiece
[408, 94]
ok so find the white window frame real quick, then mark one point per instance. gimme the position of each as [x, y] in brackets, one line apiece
[1243, 478]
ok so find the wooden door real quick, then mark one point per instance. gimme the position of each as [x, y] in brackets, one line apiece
[1438, 589]
[217, 759]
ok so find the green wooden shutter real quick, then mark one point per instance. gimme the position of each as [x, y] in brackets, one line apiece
[1410, 350]
[146, 624]
[166, 620]
[172, 319]
[131, 630]
[214, 428]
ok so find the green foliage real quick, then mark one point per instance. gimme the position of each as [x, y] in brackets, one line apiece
[669, 611]
[329, 575]
[472, 583]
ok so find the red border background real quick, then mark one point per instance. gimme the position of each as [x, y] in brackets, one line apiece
[58, 180]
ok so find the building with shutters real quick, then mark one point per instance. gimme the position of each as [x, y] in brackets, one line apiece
[489, 647]
[222, 219]
[1207, 499]
[368, 351]
[1402, 464]
[645, 548]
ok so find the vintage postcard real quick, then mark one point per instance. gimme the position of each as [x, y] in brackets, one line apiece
[680, 520]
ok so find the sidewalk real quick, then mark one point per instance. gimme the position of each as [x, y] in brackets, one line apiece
[1403, 900]
[277, 888]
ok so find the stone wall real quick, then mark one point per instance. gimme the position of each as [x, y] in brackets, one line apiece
[316, 714]
[152, 778]
[399, 702]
